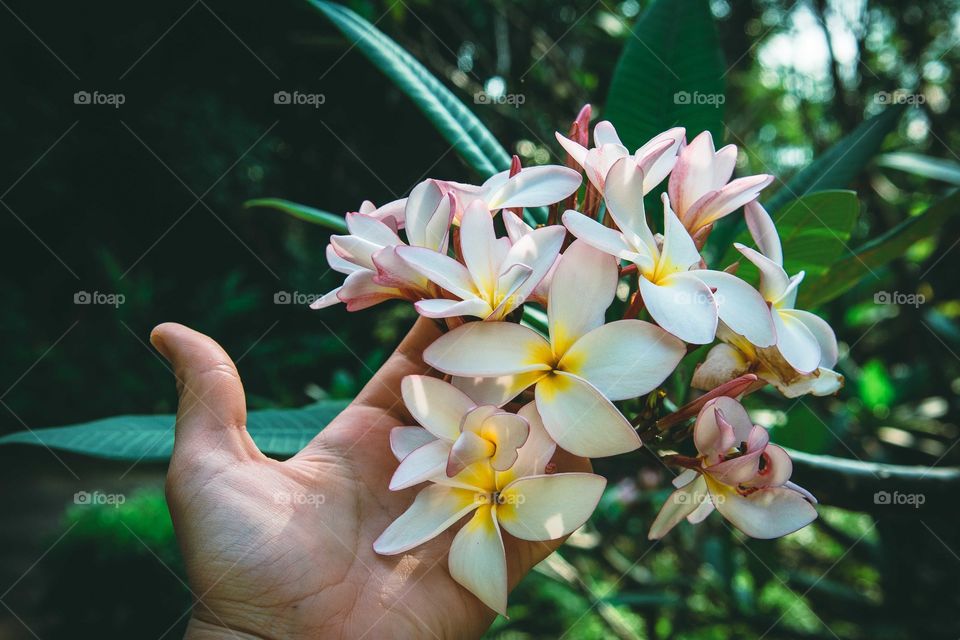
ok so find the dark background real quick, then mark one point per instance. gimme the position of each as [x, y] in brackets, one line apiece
[145, 200]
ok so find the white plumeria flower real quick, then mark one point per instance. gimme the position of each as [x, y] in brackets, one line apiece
[699, 186]
[656, 158]
[579, 371]
[495, 277]
[523, 501]
[531, 187]
[685, 300]
[739, 473]
[804, 340]
[455, 433]
[368, 253]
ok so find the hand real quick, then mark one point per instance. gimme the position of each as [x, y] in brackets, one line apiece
[284, 549]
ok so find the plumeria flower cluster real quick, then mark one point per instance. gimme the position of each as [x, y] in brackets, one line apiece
[560, 336]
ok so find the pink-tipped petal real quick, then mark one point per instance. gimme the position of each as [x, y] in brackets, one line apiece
[679, 504]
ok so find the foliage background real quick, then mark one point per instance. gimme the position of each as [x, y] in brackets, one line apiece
[103, 199]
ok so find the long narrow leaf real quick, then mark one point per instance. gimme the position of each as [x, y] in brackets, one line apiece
[303, 212]
[847, 272]
[669, 74]
[280, 432]
[472, 140]
[923, 166]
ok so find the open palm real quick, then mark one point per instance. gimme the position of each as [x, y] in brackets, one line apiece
[284, 549]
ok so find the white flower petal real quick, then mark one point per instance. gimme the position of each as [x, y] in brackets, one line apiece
[679, 504]
[658, 156]
[536, 452]
[822, 331]
[468, 449]
[693, 174]
[438, 406]
[478, 561]
[496, 390]
[605, 133]
[763, 231]
[371, 230]
[604, 238]
[489, 349]
[577, 151]
[773, 279]
[360, 291]
[726, 200]
[339, 264]
[419, 211]
[584, 284]
[536, 187]
[442, 308]
[764, 514]
[440, 269]
[623, 193]
[741, 307]
[403, 440]
[548, 507]
[327, 300]
[435, 508]
[424, 463]
[581, 419]
[477, 244]
[536, 251]
[683, 305]
[679, 251]
[625, 358]
[797, 345]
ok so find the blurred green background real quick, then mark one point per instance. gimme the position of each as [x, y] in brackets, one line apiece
[144, 200]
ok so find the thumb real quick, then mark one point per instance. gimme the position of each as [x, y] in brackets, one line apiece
[212, 412]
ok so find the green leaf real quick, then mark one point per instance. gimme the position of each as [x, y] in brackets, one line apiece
[303, 212]
[669, 74]
[472, 140]
[814, 231]
[834, 169]
[841, 163]
[848, 271]
[280, 432]
[923, 166]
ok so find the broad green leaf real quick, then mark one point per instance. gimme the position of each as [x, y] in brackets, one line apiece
[923, 166]
[448, 114]
[841, 163]
[316, 216]
[280, 432]
[848, 271]
[814, 231]
[834, 169]
[669, 74]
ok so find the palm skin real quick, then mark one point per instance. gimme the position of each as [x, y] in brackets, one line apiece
[285, 549]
